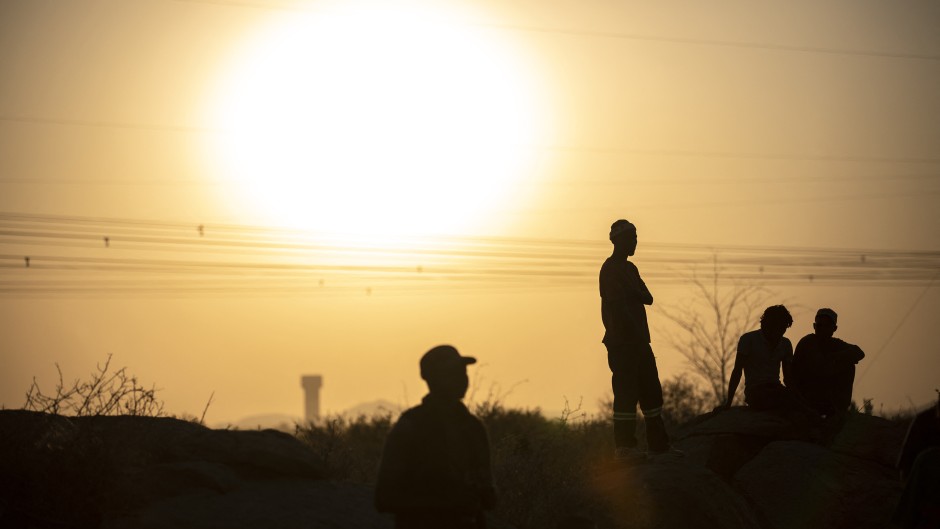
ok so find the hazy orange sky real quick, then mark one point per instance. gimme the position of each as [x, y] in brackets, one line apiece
[499, 127]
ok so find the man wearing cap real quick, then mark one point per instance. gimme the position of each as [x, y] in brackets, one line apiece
[634, 379]
[824, 366]
[435, 470]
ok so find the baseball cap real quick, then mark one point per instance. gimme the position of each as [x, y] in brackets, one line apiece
[442, 359]
[829, 313]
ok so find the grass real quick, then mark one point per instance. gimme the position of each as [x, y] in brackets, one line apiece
[541, 466]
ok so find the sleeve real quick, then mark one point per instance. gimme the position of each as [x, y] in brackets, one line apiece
[608, 282]
[848, 353]
[643, 292]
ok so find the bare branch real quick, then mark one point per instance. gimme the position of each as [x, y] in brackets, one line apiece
[710, 323]
[103, 393]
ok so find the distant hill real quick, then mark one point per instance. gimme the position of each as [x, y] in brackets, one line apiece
[273, 421]
[375, 407]
[286, 422]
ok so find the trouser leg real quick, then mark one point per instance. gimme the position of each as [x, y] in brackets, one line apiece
[651, 399]
[624, 383]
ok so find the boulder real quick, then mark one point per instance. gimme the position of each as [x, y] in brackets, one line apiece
[801, 485]
[753, 470]
[668, 494]
[159, 472]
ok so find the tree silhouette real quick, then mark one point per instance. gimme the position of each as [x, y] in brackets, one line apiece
[718, 312]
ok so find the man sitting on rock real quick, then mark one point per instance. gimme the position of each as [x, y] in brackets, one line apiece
[760, 355]
[824, 367]
[435, 471]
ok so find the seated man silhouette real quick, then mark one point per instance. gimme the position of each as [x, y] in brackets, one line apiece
[760, 356]
[824, 367]
[435, 470]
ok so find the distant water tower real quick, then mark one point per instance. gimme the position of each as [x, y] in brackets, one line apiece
[311, 385]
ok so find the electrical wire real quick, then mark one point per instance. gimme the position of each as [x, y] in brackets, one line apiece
[118, 255]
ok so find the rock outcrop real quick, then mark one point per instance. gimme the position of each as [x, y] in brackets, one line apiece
[126, 472]
[745, 469]
[742, 469]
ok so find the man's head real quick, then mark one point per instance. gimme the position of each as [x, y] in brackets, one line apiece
[825, 324]
[623, 235]
[445, 371]
[775, 321]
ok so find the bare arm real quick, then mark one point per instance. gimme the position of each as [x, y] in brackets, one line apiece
[787, 365]
[735, 378]
[733, 384]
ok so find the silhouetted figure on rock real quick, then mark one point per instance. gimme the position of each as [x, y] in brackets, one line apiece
[435, 469]
[761, 355]
[624, 297]
[824, 368]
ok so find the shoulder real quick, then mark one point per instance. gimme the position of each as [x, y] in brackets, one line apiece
[478, 429]
[477, 423]
[411, 420]
[747, 337]
[806, 344]
[745, 343]
[610, 265]
[806, 340]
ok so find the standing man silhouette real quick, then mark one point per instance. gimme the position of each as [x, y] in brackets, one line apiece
[435, 470]
[634, 379]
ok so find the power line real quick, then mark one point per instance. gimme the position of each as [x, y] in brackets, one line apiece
[621, 181]
[900, 324]
[617, 35]
[633, 151]
[115, 257]
[103, 124]
[148, 226]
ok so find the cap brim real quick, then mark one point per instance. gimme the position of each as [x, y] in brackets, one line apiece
[467, 360]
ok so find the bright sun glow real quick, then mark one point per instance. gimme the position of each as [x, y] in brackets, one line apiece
[377, 121]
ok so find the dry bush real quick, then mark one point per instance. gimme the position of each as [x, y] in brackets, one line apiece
[105, 392]
[720, 309]
[541, 467]
[348, 449]
[683, 400]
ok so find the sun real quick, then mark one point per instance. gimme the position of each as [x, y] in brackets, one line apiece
[377, 120]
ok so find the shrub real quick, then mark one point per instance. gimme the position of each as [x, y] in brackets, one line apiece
[105, 392]
[348, 449]
[541, 466]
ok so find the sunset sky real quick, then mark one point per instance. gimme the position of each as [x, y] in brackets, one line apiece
[226, 195]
